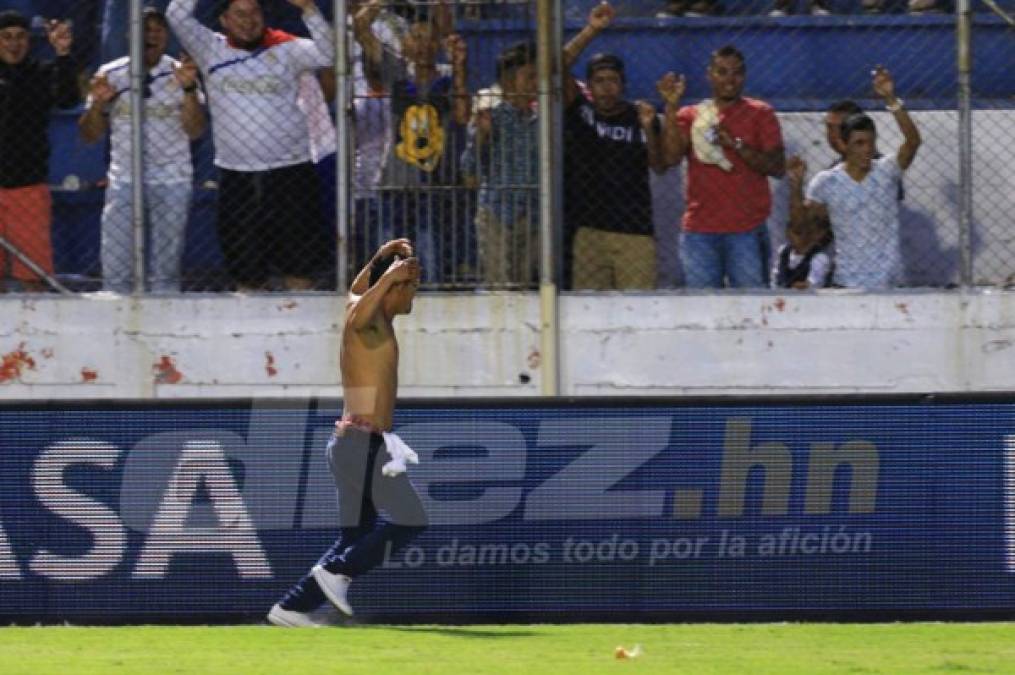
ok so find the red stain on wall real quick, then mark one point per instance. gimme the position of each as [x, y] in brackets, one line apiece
[89, 375]
[13, 363]
[165, 371]
[780, 304]
[291, 304]
[47, 353]
[269, 364]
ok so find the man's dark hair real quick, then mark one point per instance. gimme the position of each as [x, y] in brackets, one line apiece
[153, 14]
[604, 61]
[845, 107]
[223, 7]
[12, 18]
[726, 51]
[380, 266]
[418, 14]
[514, 57]
[856, 122]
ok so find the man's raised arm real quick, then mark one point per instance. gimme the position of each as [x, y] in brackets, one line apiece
[402, 247]
[195, 37]
[600, 17]
[321, 53]
[671, 88]
[884, 86]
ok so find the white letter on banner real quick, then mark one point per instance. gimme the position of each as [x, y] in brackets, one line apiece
[202, 462]
[1009, 500]
[102, 523]
[8, 565]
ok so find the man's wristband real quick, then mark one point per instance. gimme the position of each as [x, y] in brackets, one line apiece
[895, 107]
[190, 89]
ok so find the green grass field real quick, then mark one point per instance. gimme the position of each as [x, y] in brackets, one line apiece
[529, 649]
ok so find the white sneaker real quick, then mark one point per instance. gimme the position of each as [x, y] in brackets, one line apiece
[288, 618]
[335, 587]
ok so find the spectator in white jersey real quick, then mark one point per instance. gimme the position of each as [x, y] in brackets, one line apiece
[610, 144]
[173, 116]
[269, 217]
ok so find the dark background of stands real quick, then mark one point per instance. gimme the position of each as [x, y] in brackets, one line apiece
[797, 63]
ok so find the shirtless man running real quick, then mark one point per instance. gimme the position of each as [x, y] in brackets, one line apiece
[366, 459]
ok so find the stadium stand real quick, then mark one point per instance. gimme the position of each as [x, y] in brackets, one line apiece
[826, 56]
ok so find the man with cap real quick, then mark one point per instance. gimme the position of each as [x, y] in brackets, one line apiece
[610, 145]
[269, 216]
[29, 90]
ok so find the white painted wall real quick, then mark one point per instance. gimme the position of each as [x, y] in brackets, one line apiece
[484, 345]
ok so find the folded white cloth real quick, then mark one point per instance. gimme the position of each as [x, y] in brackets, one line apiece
[400, 455]
[706, 149]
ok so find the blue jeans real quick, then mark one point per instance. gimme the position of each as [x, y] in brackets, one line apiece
[356, 458]
[167, 208]
[709, 259]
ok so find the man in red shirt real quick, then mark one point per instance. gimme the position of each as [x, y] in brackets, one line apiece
[732, 144]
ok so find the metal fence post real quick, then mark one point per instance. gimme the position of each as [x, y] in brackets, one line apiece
[137, 74]
[342, 165]
[963, 35]
[549, 109]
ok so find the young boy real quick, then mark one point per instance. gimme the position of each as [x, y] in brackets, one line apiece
[804, 261]
[503, 156]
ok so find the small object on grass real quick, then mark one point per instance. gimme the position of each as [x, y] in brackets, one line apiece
[622, 653]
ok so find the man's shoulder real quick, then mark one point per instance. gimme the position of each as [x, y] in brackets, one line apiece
[504, 112]
[168, 62]
[887, 162]
[755, 106]
[122, 63]
[826, 177]
[689, 111]
[581, 108]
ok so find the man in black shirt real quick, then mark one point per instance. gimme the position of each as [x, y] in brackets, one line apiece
[610, 144]
[28, 91]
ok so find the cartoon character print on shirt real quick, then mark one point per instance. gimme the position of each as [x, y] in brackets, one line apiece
[422, 137]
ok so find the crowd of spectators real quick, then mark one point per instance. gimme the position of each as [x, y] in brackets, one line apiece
[453, 170]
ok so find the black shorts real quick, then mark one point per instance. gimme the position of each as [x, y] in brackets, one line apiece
[269, 222]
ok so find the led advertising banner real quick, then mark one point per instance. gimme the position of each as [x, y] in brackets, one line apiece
[538, 510]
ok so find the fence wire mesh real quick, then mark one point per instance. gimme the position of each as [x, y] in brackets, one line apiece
[239, 165]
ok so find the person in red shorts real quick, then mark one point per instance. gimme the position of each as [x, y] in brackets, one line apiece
[28, 91]
[733, 144]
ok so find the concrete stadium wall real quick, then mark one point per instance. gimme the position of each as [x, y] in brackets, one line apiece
[470, 345]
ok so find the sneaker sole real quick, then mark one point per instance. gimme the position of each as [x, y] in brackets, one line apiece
[283, 623]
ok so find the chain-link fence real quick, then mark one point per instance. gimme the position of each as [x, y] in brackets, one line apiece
[815, 64]
[240, 180]
[444, 154]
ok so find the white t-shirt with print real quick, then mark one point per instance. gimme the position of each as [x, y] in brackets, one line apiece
[166, 144]
[865, 220]
[253, 95]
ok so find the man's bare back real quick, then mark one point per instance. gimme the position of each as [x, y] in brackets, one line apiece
[369, 359]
